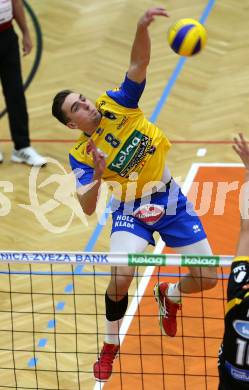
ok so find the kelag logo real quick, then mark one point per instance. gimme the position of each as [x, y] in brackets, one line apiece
[136, 259]
[126, 152]
[200, 261]
[131, 153]
[242, 328]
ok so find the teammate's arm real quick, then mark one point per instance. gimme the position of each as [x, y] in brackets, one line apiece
[242, 149]
[140, 53]
[19, 16]
[88, 198]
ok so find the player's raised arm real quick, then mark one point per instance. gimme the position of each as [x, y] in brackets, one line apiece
[241, 147]
[140, 53]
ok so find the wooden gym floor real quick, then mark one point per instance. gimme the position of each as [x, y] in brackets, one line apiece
[86, 47]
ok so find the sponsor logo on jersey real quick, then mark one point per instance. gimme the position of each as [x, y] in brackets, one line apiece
[239, 273]
[240, 277]
[196, 228]
[101, 104]
[149, 213]
[99, 131]
[79, 145]
[124, 221]
[237, 373]
[242, 328]
[146, 259]
[109, 115]
[197, 261]
[152, 150]
[122, 123]
[131, 153]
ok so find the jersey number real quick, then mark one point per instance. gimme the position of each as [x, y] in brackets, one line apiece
[114, 142]
[242, 355]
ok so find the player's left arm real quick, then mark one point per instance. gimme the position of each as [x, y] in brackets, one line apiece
[241, 147]
[140, 52]
[19, 16]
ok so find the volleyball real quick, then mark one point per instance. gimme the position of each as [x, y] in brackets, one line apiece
[187, 37]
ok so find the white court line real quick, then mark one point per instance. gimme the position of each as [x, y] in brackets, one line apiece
[158, 249]
[201, 152]
[190, 178]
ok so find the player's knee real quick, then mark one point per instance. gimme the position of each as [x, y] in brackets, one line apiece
[121, 279]
[115, 310]
[121, 285]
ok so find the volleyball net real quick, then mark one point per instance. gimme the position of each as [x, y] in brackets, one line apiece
[52, 322]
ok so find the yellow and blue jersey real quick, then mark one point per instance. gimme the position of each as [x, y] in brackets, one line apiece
[134, 148]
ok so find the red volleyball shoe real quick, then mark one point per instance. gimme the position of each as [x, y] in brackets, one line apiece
[167, 309]
[102, 368]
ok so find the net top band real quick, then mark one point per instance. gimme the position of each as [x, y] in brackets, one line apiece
[118, 259]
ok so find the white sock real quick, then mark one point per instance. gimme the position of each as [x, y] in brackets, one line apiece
[112, 331]
[174, 294]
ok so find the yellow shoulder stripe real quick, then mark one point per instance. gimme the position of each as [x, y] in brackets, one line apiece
[233, 302]
[241, 258]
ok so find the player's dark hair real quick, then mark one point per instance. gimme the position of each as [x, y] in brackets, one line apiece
[57, 106]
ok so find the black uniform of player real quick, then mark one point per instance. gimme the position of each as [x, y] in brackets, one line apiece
[234, 353]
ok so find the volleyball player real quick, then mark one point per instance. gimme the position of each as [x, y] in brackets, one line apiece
[120, 146]
[234, 351]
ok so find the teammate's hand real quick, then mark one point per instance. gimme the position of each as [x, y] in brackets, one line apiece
[27, 43]
[150, 14]
[242, 149]
[98, 159]
[245, 287]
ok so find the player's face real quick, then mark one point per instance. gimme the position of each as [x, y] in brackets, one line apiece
[81, 112]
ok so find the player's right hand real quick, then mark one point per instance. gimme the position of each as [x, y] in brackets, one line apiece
[98, 159]
[27, 43]
[150, 14]
[242, 149]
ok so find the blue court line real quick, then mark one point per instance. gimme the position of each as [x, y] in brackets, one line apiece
[32, 362]
[42, 343]
[91, 243]
[60, 306]
[207, 11]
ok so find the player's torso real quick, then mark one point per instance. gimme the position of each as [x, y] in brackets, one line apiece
[134, 149]
[234, 354]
